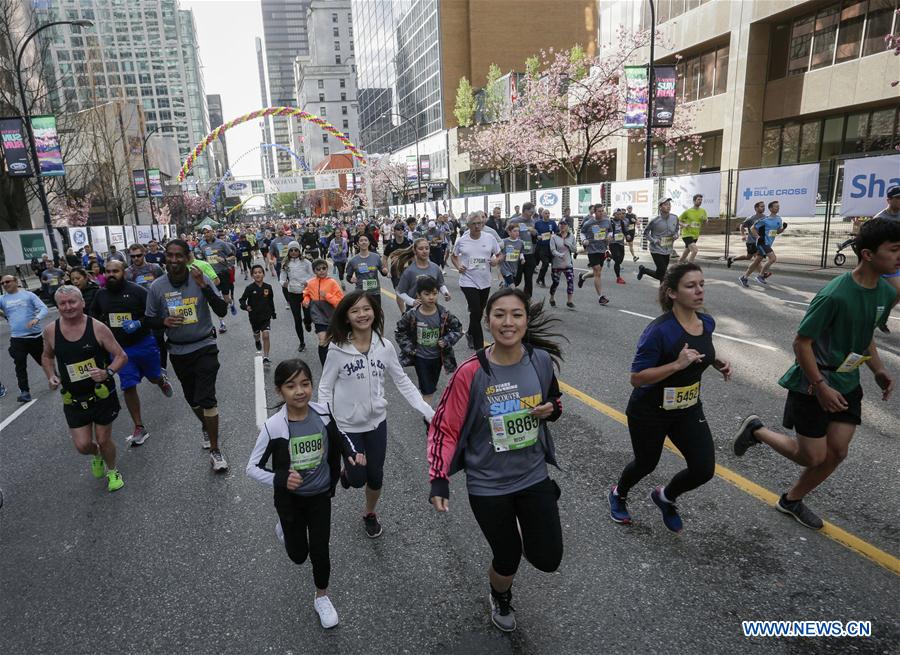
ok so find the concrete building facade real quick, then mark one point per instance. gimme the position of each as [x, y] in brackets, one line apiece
[220, 148]
[266, 160]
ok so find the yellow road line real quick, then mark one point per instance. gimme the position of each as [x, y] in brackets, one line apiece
[830, 530]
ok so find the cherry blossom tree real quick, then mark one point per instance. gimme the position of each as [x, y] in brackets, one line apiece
[73, 212]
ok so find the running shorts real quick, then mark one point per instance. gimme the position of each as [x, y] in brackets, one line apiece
[320, 327]
[689, 240]
[197, 373]
[98, 412]
[143, 362]
[763, 250]
[260, 326]
[428, 371]
[596, 258]
[751, 248]
[804, 414]
[629, 235]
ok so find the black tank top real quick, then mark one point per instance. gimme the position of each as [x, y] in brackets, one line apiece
[75, 358]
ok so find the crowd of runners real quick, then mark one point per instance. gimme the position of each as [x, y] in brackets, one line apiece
[137, 315]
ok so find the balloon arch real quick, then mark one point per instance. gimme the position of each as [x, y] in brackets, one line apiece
[286, 112]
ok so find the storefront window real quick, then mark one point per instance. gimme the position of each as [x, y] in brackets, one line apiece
[855, 136]
[832, 134]
[881, 130]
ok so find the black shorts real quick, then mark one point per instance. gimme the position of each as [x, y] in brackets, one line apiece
[629, 235]
[428, 371]
[689, 240]
[225, 286]
[98, 412]
[197, 373]
[804, 415]
[261, 325]
[596, 258]
[751, 248]
[320, 327]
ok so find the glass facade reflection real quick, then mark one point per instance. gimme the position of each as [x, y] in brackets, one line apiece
[398, 71]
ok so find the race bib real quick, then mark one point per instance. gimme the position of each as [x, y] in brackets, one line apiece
[80, 370]
[369, 285]
[116, 320]
[514, 430]
[852, 362]
[213, 259]
[186, 308]
[306, 451]
[527, 247]
[666, 242]
[620, 236]
[545, 236]
[512, 254]
[681, 397]
[478, 264]
[147, 278]
[598, 232]
[427, 336]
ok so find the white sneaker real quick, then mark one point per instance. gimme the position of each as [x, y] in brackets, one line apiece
[217, 459]
[327, 614]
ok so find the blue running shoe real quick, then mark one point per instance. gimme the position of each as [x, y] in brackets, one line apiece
[669, 511]
[618, 512]
[233, 310]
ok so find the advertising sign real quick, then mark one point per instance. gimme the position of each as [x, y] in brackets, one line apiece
[425, 165]
[866, 181]
[582, 197]
[78, 237]
[637, 193]
[682, 188]
[329, 181]
[155, 232]
[23, 246]
[236, 188]
[664, 99]
[46, 142]
[497, 200]
[140, 184]
[98, 239]
[411, 172]
[144, 234]
[550, 199]
[116, 237]
[794, 187]
[458, 205]
[517, 200]
[635, 96]
[15, 149]
[153, 178]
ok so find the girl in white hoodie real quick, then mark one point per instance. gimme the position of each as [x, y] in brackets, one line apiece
[295, 273]
[352, 387]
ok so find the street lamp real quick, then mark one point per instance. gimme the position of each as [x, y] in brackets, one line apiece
[418, 159]
[146, 169]
[26, 117]
[649, 136]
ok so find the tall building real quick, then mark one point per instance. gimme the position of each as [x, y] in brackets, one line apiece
[325, 81]
[284, 29]
[143, 51]
[412, 54]
[220, 148]
[267, 163]
[772, 82]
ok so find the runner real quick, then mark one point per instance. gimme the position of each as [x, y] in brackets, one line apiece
[660, 233]
[339, 250]
[473, 255]
[528, 234]
[364, 268]
[81, 279]
[595, 233]
[306, 448]
[632, 221]
[413, 264]
[88, 358]
[24, 311]
[398, 242]
[244, 254]
[141, 272]
[154, 255]
[512, 256]
[181, 301]
[426, 335]
[258, 300]
[690, 222]
[618, 237]
[891, 212]
[824, 400]
[672, 355]
[563, 248]
[352, 388]
[296, 271]
[120, 306]
[766, 229]
[52, 278]
[747, 233]
[218, 254]
[545, 228]
[321, 295]
[491, 421]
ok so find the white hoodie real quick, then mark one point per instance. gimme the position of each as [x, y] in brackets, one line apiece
[352, 385]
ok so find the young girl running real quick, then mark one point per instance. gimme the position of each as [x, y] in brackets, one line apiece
[414, 263]
[492, 421]
[295, 273]
[321, 295]
[352, 386]
[672, 354]
[305, 447]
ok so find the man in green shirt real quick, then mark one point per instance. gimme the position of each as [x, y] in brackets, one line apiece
[833, 340]
[690, 221]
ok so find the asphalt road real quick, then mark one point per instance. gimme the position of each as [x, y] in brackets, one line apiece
[184, 561]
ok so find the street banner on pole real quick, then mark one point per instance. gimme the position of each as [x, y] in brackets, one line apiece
[866, 181]
[144, 234]
[794, 187]
[140, 183]
[98, 239]
[15, 148]
[682, 188]
[664, 99]
[22, 246]
[637, 193]
[550, 199]
[46, 141]
[636, 98]
[155, 182]
[78, 237]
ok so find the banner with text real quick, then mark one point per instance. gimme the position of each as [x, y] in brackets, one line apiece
[636, 96]
[664, 99]
[794, 187]
[116, 237]
[682, 189]
[637, 193]
[46, 141]
[98, 239]
[155, 182]
[551, 200]
[15, 148]
[144, 234]
[866, 181]
[22, 246]
[582, 197]
[140, 184]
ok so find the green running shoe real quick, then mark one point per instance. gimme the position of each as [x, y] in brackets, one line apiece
[98, 466]
[114, 480]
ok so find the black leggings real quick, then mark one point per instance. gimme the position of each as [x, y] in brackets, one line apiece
[295, 300]
[662, 264]
[538, 517]
[526, 270]
[544, 257]
[341, 268]
[617, 252]
[476, 299]
[20, 349]
[374, 445]
[690, 434]
[306, 523]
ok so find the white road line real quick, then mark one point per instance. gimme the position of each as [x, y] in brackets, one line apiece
[715, 334]
[806, 304]
[260, 385]
[12, 417]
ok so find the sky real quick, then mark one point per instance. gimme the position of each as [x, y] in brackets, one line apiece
[226, 30]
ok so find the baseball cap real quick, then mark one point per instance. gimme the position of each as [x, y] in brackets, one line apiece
[431, 223]
[664, 200]
[894, 191]
[206, 227]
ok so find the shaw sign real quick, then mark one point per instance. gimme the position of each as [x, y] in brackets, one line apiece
[866, 181]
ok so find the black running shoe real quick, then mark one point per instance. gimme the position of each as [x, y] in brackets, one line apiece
[743, 438]
[373, 527]
[730, 262]
[803, 514]
[640, 272]
[345, 483]
[580, 280]
[301, 348]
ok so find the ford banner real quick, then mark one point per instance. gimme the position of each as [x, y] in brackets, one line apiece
[15, 150]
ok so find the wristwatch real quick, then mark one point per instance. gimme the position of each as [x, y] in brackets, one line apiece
[110, 373]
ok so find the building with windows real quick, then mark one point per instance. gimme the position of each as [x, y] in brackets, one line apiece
[220, 148]
[325, 81]
[774, 82]
[286, 38]
[267, 163]
[142, 51]
[411, 55]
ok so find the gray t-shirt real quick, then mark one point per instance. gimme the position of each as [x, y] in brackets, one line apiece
[365, 271]
[216, 254]
[512, 251]
[428, 331]
[887, 213]
[524, 234]
[412, 273]
[143, 275]
[660, 234]
[596, 232]
[308, 447]
[165, 299]
[493, 472]
[748, 225]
